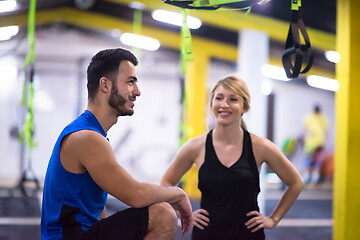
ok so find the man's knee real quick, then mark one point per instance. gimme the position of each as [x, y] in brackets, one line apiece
[162, 214]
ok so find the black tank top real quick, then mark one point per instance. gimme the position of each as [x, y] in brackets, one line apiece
[228, 194]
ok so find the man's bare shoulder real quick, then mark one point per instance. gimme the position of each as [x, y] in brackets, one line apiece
[85, 136]
[82, 143]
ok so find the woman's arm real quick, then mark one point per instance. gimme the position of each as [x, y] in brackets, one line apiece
[266, 151]
[184, 159]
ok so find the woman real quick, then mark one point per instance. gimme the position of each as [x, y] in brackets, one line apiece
[229, 159]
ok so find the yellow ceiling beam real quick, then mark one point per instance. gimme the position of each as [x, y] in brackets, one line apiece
[103, 22]
[167, 39]
[237, 20]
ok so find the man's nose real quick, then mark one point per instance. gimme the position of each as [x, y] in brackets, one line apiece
[136, 90]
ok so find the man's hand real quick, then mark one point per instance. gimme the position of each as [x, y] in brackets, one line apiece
[183, 207]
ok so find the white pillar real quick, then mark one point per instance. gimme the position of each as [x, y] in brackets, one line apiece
[253, 54]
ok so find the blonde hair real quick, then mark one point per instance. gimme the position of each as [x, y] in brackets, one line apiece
[238, 86]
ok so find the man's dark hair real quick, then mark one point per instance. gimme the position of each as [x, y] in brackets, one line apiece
[106, 64]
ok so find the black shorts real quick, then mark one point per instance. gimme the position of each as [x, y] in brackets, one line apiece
[129, 224]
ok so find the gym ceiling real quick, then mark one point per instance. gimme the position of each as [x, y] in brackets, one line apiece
[217, 26]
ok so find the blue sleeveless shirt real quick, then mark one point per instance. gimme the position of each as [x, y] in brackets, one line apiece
[69, 197]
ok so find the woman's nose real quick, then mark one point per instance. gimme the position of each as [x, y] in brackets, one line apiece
[224, 103]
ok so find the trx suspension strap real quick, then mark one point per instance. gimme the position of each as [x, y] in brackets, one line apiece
[210, 5]
[28, 67]
[186, 52]
[216, 4]
[186, 55]
[137, 28]
[295, 52]
[28, 128]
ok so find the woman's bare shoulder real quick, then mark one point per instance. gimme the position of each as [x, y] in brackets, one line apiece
[264, 149]
[195, 145]
[259, 142]
[198, 140]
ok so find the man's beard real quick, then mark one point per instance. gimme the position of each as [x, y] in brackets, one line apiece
[117, 102]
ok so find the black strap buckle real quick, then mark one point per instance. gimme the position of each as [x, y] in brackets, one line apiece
[295, 52]
[188, 5]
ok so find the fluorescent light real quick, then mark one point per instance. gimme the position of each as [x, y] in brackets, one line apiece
[8, 72]
[332, 56]
[274, 72]
[115, 33]
[266, 87]
[323, 83]
[137, 5]
[8, 6]
[139, 41]
[175, 18]
[7, 32]
[43, 101]
[8, 79]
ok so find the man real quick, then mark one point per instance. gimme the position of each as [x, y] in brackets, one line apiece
[315, 127]
[83, 169]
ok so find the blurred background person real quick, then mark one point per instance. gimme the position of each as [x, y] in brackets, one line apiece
[315, 134]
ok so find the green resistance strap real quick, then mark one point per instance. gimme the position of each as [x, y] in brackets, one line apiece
[186, 42]
[184, 128]
[186, 51]
[186, 55]
[296, 53]
[28, 128]
[211, 5]
[137, 29]
[217, 4]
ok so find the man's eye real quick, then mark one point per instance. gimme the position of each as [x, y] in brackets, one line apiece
[218, 98]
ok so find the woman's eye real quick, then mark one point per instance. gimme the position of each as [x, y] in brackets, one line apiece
[234, 99]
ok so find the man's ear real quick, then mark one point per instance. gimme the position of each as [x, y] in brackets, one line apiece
[105, 84]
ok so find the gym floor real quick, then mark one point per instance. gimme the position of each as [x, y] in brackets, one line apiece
[310, 218]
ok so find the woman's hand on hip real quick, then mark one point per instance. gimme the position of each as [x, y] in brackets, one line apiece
[259, 221]
[201, 218]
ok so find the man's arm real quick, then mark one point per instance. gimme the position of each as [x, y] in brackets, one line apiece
[95, 155]
[103, 214]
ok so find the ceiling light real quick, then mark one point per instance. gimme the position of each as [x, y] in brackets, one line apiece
[273, 72]
[43, 101]
[137, 5]
[8, 79]
[139, 41]
[115, 33]
[7, 32]
[266, 88]
[8, 6]
[323, 83]
[332, 56]
[175, 18]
